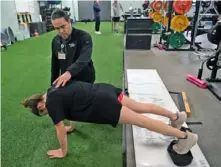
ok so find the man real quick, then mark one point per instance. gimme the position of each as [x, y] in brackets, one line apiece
[97, 10]
[145, 5]
[145, 8]
[71, 53]
[102, 103]
[116, 14]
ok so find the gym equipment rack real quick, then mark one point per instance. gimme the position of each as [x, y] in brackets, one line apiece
[46, 10]
[197, 17]
[214, 83]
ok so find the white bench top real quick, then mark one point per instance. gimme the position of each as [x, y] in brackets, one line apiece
[145, 85]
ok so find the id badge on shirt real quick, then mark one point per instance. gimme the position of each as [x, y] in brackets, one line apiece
[61, 55]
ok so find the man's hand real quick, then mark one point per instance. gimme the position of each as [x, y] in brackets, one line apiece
[56, 153]
[62, 79]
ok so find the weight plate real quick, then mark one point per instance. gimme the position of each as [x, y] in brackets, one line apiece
[157, 5]
[165, 5]
[165, 20]
[151, 3]
[214, 35]
[157, 17]
[177, 40]
[211, 63]
[150, 14]
[211, 35]
[182, 6]
[179, 23]
[156, 27]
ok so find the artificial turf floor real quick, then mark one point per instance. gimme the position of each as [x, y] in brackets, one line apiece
[27, 138]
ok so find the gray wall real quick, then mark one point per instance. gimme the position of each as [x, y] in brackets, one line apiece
[35, 15]
[31, 6]
[105, 10]
[85, 10]
[9, 15]
[72, 5]
[134, 3]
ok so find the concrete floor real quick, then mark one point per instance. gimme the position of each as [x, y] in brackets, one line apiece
[172, 68]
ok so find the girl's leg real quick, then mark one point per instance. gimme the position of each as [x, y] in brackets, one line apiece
[186, 139]
[147, 108]
[128, 116]
[177, 118]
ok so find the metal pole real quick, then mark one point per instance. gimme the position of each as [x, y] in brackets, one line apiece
[195, 24]
[215, 68]
[170, 10]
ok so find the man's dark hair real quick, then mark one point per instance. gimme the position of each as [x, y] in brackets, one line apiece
[59, 13]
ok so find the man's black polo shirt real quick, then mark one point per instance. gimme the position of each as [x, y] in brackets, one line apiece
[78, 51]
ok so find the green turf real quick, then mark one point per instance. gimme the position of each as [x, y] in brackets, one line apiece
[25, 137]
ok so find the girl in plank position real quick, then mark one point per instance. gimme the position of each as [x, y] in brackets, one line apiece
[103, 103]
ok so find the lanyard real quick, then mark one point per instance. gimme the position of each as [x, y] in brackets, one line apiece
[64, 48]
